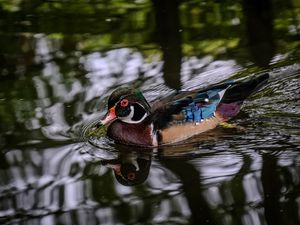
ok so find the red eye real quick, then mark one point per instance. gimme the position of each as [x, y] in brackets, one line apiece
[131, 176]
[124, 103]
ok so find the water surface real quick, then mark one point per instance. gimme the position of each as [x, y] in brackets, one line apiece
[59, 62]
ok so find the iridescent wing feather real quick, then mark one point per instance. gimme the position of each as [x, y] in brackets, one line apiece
[190, 107]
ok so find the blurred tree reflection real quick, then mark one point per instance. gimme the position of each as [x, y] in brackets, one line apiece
[169, 38]
[259, 28]
[191, 185]
[275, 180]
[272, 186]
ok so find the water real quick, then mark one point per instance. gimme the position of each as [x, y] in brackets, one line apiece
[61, 60]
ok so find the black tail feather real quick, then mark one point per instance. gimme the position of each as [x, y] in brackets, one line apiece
[243, 89]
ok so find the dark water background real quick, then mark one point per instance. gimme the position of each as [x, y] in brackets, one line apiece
[60, 60]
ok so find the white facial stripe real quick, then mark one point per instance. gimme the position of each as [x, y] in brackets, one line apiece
[221, 93]
[128, 119]
[132, 159]
[153, 136]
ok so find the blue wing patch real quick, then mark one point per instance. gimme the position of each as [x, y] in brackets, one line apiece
[203, 106]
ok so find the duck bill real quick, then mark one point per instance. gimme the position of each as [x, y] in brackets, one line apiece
[109, 117]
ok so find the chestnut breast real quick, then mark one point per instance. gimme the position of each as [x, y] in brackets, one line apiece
[134, 134]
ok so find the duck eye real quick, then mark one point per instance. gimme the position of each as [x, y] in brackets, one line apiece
[131, 176]
[124, 103]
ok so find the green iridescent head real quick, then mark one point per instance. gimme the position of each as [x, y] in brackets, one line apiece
[128, 105]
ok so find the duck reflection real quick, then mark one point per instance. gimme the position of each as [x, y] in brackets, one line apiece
[131, 167]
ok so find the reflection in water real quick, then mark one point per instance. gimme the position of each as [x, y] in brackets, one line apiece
[130, 168]
[191, 186]
[221, 187]
[232, 176]
[169, 38]
[60, 60]
[259, 26]
[271, 185]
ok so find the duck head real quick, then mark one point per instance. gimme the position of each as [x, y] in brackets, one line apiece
[127, 118]
[126, 105]
[130, 168]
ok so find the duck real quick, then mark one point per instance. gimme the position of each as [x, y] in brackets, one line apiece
[130, 168]
[131, 120]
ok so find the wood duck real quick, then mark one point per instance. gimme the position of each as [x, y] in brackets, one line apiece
[130, 169]
[131, 120]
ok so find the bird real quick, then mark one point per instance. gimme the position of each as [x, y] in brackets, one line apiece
[131, 120]
[129, 168]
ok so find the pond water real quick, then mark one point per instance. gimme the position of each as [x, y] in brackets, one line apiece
[59, 62]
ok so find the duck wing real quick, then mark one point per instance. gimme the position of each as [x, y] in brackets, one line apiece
[199, 105]
[189, 107]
